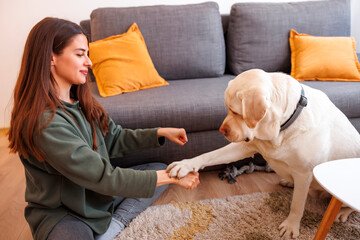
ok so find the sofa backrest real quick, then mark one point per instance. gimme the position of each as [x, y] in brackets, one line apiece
[184, 41]
[258, 33]
[85, 24]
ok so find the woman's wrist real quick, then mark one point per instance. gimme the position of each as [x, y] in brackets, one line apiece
[160, 132]
[163, 178]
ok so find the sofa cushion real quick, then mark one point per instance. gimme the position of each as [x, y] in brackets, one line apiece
[121, 63]
[345, 95]
[258, 33]
[198, 104]
[193, 104]
[184, 41]
[323, 58]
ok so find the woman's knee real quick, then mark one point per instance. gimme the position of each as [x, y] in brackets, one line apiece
[70, 228]
[158, 166]
[151, 166]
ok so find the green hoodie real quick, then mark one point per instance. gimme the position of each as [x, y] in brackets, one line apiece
[76, 180]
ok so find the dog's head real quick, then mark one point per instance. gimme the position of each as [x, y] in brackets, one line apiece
[250, 112]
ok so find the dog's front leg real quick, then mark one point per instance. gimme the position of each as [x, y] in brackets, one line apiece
[230, 153]
[290, 227]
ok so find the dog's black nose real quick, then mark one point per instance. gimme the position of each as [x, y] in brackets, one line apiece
[223, 130]
[247, 139]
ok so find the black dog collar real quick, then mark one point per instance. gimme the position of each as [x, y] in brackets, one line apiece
[301, 104]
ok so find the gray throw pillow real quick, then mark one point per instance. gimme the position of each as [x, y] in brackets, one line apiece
[258, 33]
[184, 41]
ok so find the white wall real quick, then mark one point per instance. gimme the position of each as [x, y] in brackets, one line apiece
[17, 17]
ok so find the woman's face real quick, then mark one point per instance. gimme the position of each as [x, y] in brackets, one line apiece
[71, 65]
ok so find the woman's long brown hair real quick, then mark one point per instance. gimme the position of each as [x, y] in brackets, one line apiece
[35, 89]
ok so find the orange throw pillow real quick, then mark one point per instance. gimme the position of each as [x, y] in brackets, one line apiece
[122, 63]
[323, 58]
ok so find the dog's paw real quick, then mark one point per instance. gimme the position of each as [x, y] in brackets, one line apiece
[181, 168]
[343, 214]
[286, 183]
[289, 230]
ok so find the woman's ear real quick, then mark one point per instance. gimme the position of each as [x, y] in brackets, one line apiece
[53, 58]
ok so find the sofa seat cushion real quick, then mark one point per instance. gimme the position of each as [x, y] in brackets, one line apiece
[345, 95]
[193, 104]
[258, 33]
[198, 104]
[184, 41]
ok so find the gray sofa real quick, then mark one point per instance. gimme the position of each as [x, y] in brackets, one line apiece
[198, 51]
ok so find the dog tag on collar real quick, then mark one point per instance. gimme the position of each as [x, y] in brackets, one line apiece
[303, 100]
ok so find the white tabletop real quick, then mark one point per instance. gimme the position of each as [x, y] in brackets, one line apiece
[341, 178]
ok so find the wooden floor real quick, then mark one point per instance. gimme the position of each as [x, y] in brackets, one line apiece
[12, 188]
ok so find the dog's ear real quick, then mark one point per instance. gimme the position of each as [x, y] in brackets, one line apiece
[254, 106]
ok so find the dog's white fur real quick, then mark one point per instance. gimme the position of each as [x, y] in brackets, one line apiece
[258, 103]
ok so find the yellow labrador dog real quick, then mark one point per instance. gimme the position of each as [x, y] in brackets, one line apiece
[294, 127]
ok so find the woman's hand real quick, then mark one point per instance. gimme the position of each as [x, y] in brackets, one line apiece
[190, 181]
[176, 135]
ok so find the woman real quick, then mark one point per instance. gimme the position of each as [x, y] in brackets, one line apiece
[65, 139]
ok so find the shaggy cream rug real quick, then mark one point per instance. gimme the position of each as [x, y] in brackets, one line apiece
[249, 217]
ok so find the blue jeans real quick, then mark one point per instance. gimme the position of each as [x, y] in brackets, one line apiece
[126, 209]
